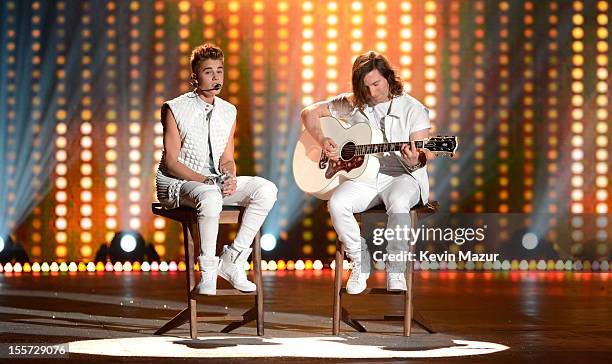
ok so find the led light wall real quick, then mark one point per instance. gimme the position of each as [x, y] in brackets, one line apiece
[524, 84]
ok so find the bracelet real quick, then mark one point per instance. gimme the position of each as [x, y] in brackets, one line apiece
[421, 164]
[208, 181]
[415, 167]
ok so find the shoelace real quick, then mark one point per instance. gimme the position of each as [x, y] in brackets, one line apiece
[355, 271]
[235, 254]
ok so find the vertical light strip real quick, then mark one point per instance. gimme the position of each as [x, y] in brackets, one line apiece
[454, 33]
[86, 169]
[381, 27]
[504, 116]
[356, 29]
[258, 85]
[11, 168]
[431, 59]
[431, 75]
[503, 107]
[233, 57]
[577, 126]
[184, 67]
[406, 45]
[479, 102]
[308, 74]
[528, 111]
[159, 223]
[552, 124]
[61, 128]
[110, 142]
[602, 128]
[479, 113]
[36, 237]
[209, 21]
[282, 102]
[135, 116]
[331, 73]
[11, 101]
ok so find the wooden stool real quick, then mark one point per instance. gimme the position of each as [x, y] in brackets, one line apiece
[189, 220]
[341, 313]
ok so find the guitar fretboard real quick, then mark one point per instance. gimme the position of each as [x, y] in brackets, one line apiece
[363, 149]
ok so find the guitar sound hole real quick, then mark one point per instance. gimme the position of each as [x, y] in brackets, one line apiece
[348, 151]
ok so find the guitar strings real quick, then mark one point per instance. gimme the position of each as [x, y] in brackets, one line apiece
[364, 148]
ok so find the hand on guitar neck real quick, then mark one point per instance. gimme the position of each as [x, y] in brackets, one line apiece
[412, 155]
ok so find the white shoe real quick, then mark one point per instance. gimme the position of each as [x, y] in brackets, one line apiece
[208, 273]
[232, 268]
[396, 282]
[360, 273]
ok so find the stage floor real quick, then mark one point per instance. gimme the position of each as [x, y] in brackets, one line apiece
[540, 316]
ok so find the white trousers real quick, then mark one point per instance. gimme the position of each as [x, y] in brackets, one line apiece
[399, 193]
[255, 193]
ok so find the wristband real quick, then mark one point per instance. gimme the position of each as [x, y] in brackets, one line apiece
[421, 164]
[415, 167]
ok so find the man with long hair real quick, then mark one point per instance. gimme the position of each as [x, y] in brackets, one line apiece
[197, 170]
[378, 99]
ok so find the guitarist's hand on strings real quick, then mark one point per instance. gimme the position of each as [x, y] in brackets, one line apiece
[330, 149]
[410, 154]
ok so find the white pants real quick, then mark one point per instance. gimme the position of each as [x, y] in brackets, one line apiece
[399, 193]
[255, 193]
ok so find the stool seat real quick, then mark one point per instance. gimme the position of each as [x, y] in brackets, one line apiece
[342, 314]
[188, 218]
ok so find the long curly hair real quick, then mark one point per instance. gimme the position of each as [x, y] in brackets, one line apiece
[364, 64]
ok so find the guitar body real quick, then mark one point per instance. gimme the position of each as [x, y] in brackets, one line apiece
[359, 146]
[318, 176]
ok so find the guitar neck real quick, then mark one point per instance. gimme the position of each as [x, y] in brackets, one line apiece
[364, 149]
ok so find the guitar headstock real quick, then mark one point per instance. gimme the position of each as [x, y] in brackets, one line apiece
[442, 145]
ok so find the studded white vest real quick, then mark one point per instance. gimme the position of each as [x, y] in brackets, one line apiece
[190, 113]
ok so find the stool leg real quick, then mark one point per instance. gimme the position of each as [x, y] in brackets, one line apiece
[259, 298]
[190, 260]
[409, 278]
[338, 286]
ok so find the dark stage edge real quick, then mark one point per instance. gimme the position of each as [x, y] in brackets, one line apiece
[541, 316]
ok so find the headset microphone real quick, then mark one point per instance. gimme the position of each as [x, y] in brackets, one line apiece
[216, 87]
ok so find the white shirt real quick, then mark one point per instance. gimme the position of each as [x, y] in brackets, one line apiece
[209, 164]
[377, 114]
[407, 115]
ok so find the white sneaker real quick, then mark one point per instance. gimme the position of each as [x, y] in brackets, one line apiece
[232, 268]
[360, 273]
[208, 273]
[396, 282]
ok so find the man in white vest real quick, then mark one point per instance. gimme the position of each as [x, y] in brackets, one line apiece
[378, 99]
[197, 170]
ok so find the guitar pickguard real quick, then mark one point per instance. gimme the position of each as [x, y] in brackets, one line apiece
[334, 167]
